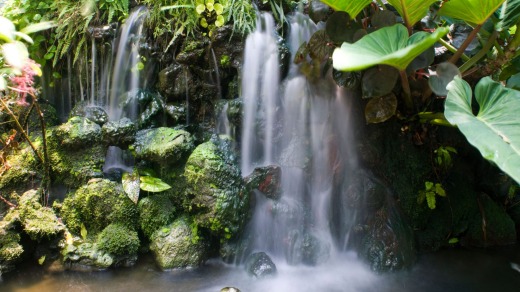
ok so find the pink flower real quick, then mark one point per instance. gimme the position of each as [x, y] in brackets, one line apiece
[23, 83]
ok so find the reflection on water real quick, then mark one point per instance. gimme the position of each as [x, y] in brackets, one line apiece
[450, 270]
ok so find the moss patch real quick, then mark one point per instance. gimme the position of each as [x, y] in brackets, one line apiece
[118, 239]
[155, 211]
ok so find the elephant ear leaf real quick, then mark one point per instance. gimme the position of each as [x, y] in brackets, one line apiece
[471, 11]
[494, 130]
[352, 7]
[153, 184]
[412, 10]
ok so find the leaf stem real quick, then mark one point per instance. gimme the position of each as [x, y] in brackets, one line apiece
[46, 164]
[485, 49]
[452, 49]
[407, 95]
[465, 44]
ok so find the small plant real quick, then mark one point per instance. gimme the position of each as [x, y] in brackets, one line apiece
[443, 157]
[211, 14]
[431, 190]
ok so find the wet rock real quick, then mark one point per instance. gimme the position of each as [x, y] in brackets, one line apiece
[172, 82]
[314, 250]
[266, 179]
[162, 145]
[87, 257]
[193, 51]
[388, 244]
[177, 246]
[365, 191]
[148, 116]
[102, 32]
[228, 44]
[233, 251]
[120, 133]
[176, 111]
[154, 212]
[78, 132]
[259, 265]
[218, 200]
[284, 56]
[229, 289]
[96, 205]
[93, 113]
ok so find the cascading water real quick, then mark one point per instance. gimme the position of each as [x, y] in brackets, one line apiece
[303, 127]
[125, 80]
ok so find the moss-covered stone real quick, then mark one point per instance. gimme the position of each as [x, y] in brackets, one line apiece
[98, 204]
[162, 145]
[120, 133]
[38, 222]
[75, 167]
[21, 171]
[178, 246]
[218, 200]
[155, 211]
[78, 132]
[118, 240]
[86, 256]
[10, 248]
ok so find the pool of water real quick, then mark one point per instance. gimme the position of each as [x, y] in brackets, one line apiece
[448, 270]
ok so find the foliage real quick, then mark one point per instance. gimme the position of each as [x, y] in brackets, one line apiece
[211, 14]
[430, 191]
[153, 184]
[118, 240]
[443, 156]
[494, 130]
[407, 46]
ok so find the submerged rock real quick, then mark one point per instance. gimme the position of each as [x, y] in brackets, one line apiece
[97, 205]
[178, 246]
[214, 184]
[162, 145]
[259, 265]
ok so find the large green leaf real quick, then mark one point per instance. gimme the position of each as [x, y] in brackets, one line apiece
[412, 10]
[352, 7]
[153, 184]
[509, 14]
[495, 130]
[388, 45]
[131, 185]
[471, 11]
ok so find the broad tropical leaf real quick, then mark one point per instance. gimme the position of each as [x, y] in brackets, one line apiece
[509, 14]
[153, 184]
[388, 45]
[352, 7]
[495, 129]
[412, 10]
[131, 185]
[471, 11]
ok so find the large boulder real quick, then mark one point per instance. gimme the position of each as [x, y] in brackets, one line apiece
[267, 180]
[93, 113]
[98, 204]
[20, 171]
[120, 133]
[78, 132]
[162, 145]
[177, 245]
[118, 240]
[11, 250]
[215, 189]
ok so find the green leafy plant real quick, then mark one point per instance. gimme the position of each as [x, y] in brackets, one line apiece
[494, 130]
[133, 183]
[431, 190]
[211, 14]
[443, 156]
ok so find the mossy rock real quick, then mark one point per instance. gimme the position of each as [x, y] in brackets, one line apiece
[75, 167]
[11, 250]
[155, 211]
[178, 246]
[38, 222]
[162, 145]
[85, 256]
[78, 132]
[97, 205]
[214, 184]
[119, 240]
[24, 171]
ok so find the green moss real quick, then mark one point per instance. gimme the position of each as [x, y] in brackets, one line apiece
[98, 204]
[75, 167]
[118, 239]
[38, 222]
[218, 200]
[155, 211]
[78, 131]
[162, 145]
[10, 248]
[24, 171]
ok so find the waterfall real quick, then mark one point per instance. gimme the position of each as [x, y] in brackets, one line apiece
[303, 127]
